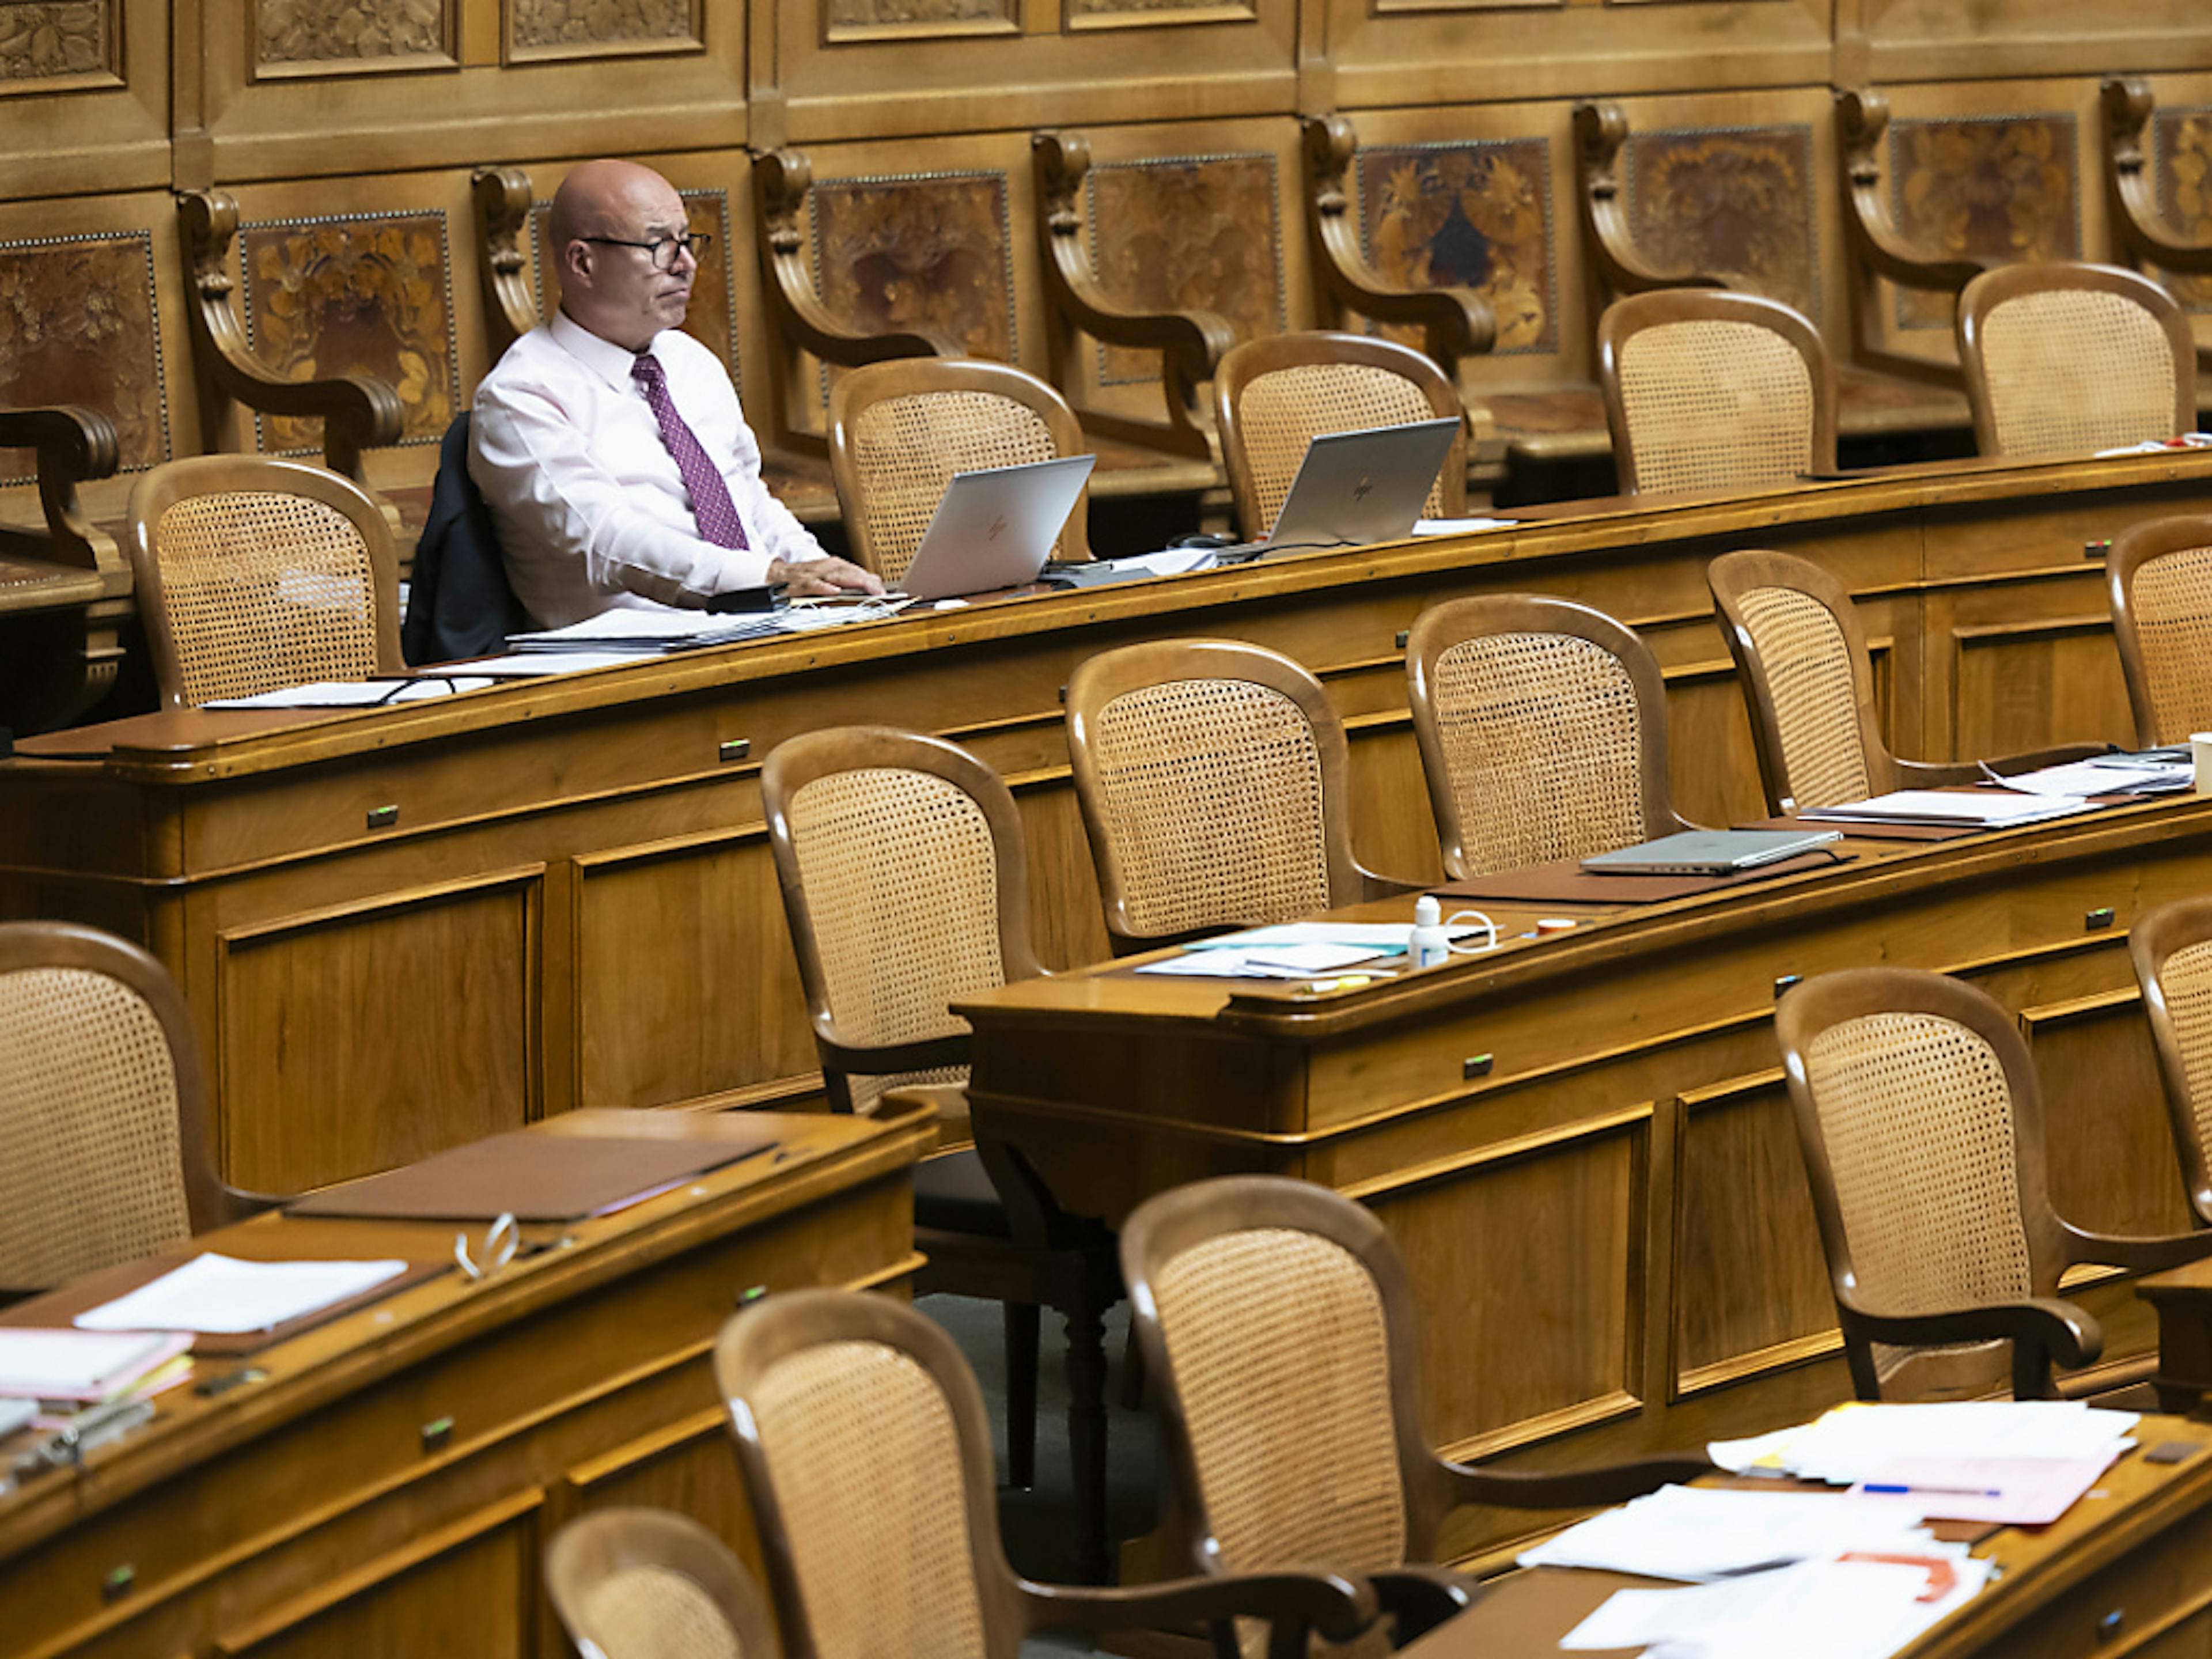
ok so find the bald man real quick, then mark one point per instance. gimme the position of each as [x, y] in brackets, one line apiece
[610, 445]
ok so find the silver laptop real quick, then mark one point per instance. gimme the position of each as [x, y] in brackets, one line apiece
[1355, 488]
[1709, 852]
[995, 528]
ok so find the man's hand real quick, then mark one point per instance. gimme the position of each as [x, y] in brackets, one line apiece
[813, 578]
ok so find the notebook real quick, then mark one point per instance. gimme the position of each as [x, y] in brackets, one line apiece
[1709, 852]
[995, 528]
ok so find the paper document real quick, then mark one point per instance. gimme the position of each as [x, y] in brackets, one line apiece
[2017, 1492]
[649, 632]
[1835, 1609]
[1459, 526]
[1988, 809]
[1697, 1534]
[1378, 938]
[15, 1414]
[356, 694]
[2118, 775]
[1855, 1443]
[532, 664]
[1263, 961]
[65, 1364]
[222, 1296]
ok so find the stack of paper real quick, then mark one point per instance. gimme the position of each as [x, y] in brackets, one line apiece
[356, 694]
[224, 1296]
[1980, 809]
[2109, 774]
[645, 633]
[1836, 1609]
[80, 1366]
[1262, 961]
[1699, 1534]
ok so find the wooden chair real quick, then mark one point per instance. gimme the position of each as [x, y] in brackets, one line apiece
[100, 1109]
[2158, 578]
[1708, 391]
[1213, 779]
[899, 431]
[1543, 732]
[256, 574]
[1280, 1326]
[638, 1583]
[1921, 1122]
[906, 885]
[1272, 397]
[2064, 359]
[1809, 678]
[2171, 950]
[867, 1460]
[68, 568]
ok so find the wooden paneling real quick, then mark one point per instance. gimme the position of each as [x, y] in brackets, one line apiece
[2113, 1167]
[84, 327]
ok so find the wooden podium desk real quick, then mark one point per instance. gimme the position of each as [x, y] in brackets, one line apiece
[1582, 1144]
[404, 928]
[391, 1486]
[2124, 1574]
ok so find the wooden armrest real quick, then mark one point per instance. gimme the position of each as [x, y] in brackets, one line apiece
[1612, 1483]
[2058, 754]
[1936, 775]
[1190, 342]
[1338, 1608]
[2043, 1332]
[503, 198]
[2137, 219]
[358, 411]
[1862, 117]
[240, 1204]
[1600, 132]
[1372, 886]
[782, 178]
[1456, 322]
[1418, 1598]
[2142, 1254]
[74, 445]
[876, 1060]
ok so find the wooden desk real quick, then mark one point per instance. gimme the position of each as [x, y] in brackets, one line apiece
[532, 898]
[1582, 1144]
[389, 1487]
[2123, 1575]
[2183, 1299]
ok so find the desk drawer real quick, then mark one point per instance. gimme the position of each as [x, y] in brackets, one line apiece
[2155, 1602]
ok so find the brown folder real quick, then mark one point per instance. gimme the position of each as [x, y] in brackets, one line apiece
[1568, 883]
[55, 1308]
[532, 1176]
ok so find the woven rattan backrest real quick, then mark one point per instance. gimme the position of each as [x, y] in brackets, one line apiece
[2068, 360]
[2160, 583]
[1809, 665]
[1541, 742]
[90, 1113]
[254, 575]
[2187, 978]
[1917, 1124]
[901, 430]
[640, 1583]
[1282, 1365]
[656, 1613]
[2172, 950]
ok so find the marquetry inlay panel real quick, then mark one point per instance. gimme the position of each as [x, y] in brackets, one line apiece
[43, 41]
[78, 325]
[1737, 202]
[845, 19]
[369, 292]
[1477, 214]
[290, 35]
[714, 290]
[1189, 233]
[928, 250]
[2184, 188]
[2003, 187]
[1080, 12]
[537, 30]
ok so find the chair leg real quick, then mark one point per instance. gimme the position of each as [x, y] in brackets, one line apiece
[1086, 1435]
[1132, 1372]
[1021, 1393]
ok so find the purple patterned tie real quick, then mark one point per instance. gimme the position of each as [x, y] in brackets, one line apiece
[710, 496]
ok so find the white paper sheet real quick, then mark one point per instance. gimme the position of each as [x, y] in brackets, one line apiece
[1263, 961]
[1697, 1534]
[62, 1365]
[2105, 777]
[1990, 809]
[355, 694]
[1854, 1443]
[1461, 526]
[221, 1296]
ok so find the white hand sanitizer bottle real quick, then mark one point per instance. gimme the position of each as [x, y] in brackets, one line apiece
[1430, 945]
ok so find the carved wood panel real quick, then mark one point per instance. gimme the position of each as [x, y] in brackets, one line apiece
[1478, 214]
[1734, 200]
[367, 292]
[1188, 232]
[1103, 13]
[861, 19]
[78, 325]
[2002, 187]
[2183, 141]
[537, 31]
[310, 37]
[712, 317]
[45, 45]
[928, 250]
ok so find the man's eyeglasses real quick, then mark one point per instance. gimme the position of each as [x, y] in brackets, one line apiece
[663, 250]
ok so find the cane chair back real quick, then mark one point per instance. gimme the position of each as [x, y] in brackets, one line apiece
[905, 885]
[1707, 391]
[1808, 678]
[635, 1583]
[2172, 948]
[867, 1458]
[2065, 358]
[1213, 778]
[100, 1106]
[899, 431]
[1275, 395]
[1921, 1122]
[2158, 579]
[1543, 732]
[252, 575]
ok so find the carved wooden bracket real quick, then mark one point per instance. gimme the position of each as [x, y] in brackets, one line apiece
[1190, 342]
[1456, 322]
[63, 647]
[1601, 135]
[1861, 122]
[358, 411]
[503, 198]
[74, 445]
[2138, 223]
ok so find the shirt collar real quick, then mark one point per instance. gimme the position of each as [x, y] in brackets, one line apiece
[609, 361]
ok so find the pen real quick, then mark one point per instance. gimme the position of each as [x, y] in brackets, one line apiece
[1889, 1489]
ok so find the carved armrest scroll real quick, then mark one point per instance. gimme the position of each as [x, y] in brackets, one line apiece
[74, 445]
[2138, 223]
[503, 198]
[1601, 135]
[1862, 119]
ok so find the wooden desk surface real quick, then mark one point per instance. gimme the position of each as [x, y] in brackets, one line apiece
[389, 1484]
[2124, 1571]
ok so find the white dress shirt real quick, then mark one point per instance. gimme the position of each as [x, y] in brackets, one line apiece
[591, 510]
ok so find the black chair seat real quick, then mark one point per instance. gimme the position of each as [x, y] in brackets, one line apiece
[954, 1193]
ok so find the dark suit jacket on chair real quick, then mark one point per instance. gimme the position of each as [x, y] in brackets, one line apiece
[458, 602]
